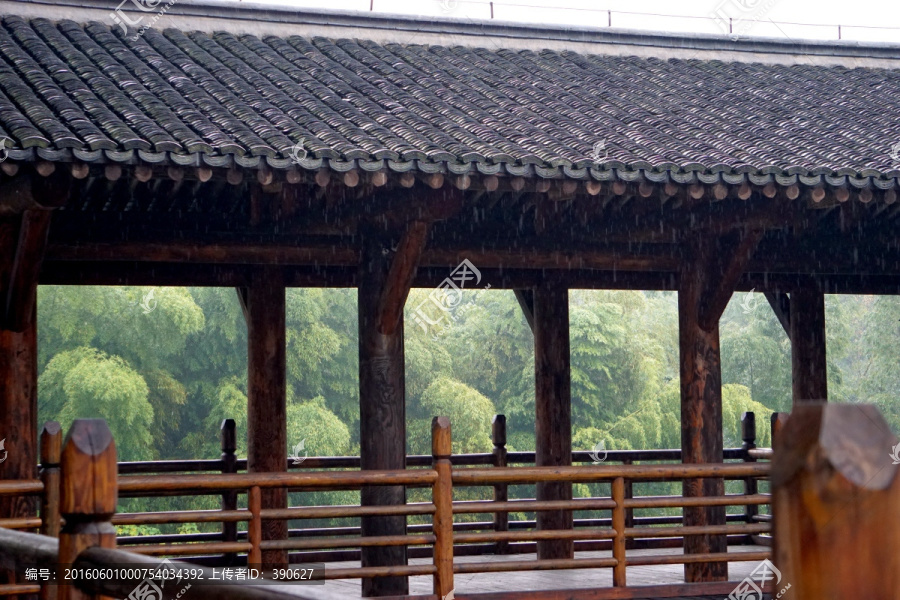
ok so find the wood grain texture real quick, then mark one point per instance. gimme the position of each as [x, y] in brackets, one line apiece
[382, 424]
[267, 395]
[809, 367]
[442, 497]
[701, 405]
[836, 504]
[88, 494]
[553, 408]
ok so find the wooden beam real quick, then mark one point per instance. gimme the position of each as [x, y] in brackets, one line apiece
[267, 394]
[781, 306]
[382, 411]
[400, 276]
[553, 408]
[809, 367]
[701, 404]
[525, 297]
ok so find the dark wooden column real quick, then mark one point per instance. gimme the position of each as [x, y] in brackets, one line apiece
[809, 369]
[24, 225]
[553, 408]
[23, 238]
[385, 277]
[263, 303]
[711, 268]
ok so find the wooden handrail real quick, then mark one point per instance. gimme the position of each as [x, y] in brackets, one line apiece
[340, 480]
[606, 473]
[616, 531]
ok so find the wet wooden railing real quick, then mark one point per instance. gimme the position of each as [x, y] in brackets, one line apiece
[499, 457]
[440, 541]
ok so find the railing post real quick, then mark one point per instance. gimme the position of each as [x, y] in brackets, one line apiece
[629, 512]
[88, 495]
[254, 527]
[51, 448]
[442, 496]
[229, 498]
[618, 523]
[501, 491]
[778, 421]
[836, 504]
[748, 434]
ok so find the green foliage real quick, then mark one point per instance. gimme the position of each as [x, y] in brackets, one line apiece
[166, 377]
[87, 383]
[321, 430]
[470, 415]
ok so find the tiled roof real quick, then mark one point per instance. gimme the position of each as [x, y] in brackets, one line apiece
[83, 91]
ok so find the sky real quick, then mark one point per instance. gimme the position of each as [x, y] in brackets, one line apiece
[877, 21]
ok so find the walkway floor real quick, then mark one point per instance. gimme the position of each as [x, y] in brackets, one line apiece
[551, 580]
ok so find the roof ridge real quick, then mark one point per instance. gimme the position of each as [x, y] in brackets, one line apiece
[263, 12]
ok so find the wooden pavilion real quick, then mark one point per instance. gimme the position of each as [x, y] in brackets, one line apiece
[264, 148]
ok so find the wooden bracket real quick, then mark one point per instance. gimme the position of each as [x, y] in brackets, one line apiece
[781, 306]
[400, 276]
[526, 301]
[724, 264]
[243, 295]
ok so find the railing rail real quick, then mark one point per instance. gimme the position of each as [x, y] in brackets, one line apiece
[439, 540]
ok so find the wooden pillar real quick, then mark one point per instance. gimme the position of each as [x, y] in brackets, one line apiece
[22, 241]
[708, 275]
[701, 428]
[385, 278]
[836, 505]
[553, 409]
[266, 394]
[809, 368]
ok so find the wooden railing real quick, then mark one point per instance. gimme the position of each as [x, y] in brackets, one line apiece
[499, 457]
[440, 541]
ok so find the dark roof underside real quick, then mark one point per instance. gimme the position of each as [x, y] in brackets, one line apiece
[72, 91]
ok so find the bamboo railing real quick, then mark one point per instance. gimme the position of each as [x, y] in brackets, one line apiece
[441, 540]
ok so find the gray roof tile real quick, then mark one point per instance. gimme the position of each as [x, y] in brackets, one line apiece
[85, 87]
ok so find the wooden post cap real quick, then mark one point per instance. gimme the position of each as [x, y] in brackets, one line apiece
[498, 430]
[852, 439]
[440, 436]
[748, 427]
[51, 435]
[89, 470]
[228, 435]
